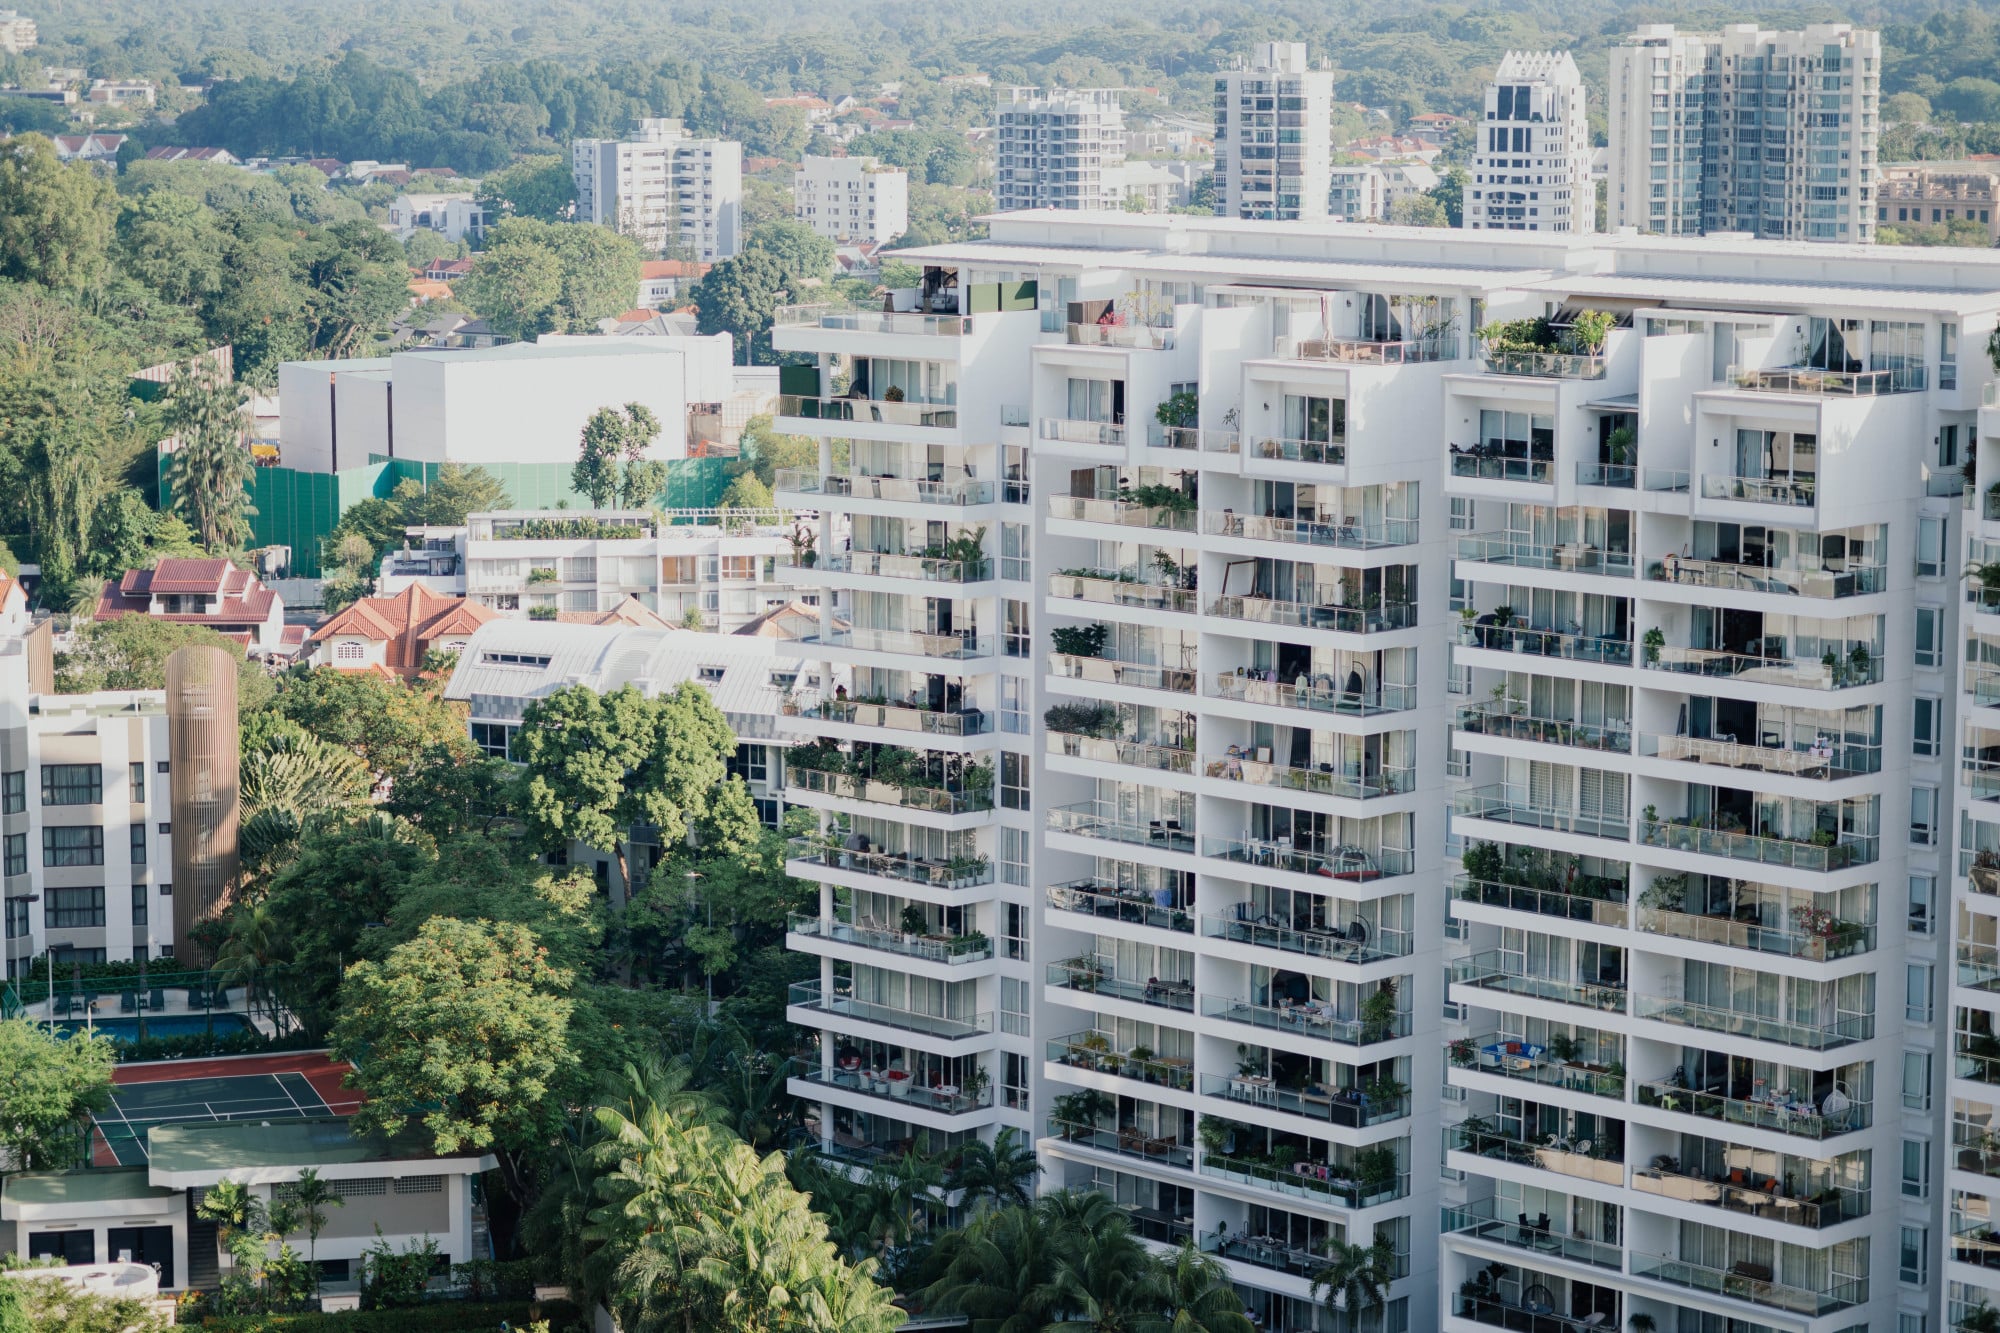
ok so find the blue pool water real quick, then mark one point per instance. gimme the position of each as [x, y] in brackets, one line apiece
[177, 1025]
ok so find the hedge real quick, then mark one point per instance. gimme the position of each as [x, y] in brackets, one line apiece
[199, 1045]
[438, 1317]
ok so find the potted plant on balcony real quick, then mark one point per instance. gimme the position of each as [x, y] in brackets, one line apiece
[1378, 1013]
[1640, 1323]
[1385, 1092]
[1376, 1170]
[1078, 1112]
[1461, 1052]
[1080, 640]
[1653, 640]
[1218, 1137]
[1179, 411]
[1563, 1048]
[1620, 443]
[1860, 664]
[1136, 1061]
[973, 1088]
[1483, 861]
[978, 785]
[1667, 893]
[899, 1083]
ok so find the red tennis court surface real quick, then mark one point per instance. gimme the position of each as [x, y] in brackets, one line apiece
[243, 1087]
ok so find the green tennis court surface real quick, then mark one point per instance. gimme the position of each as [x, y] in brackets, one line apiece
[137, 1107]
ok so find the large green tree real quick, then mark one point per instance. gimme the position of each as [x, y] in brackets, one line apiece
[611, 464]
[536, 277]
[52, 1084]
[534, 187]
[394, 729]
[55, 218]
[210, 463]
[739, 297]
[131, 652]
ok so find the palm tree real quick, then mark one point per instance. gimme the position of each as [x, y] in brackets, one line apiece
[296, 771]
[234, 1210]
[1356, 1278]
[251, 948]
[209, 463]
[1000, 1272]
[1000, 1173]
[1197, 1296]
[1106, 1281]
[312, 1197]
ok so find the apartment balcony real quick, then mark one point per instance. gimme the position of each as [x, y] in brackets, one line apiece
[1094, 1052]
[1825, 853]
[1367, 351]
[856, 787]
[1110, 435]
[1611, 476]
[1819, 759]
[1515, 1318]
[1727, 576]
[811, 1003]
[962, 493]
[1501, 804]
[1830, 383]
[1349, 781]
[1526, 640]
[1794, 492]
[1283, 449]
[1154, 1151]
[1321, 1183]
[1269, 1254]
[1978, 966]
[1090, 977]
[1336, 534]
[1537, 1237]
[1828, 672]
[1194, 439]
[1379, 619]
[1355, 944]
[1315, 1019]
[1109, 588]
[902, 1093]
[895, 868]
[1122, 514]
[1833, 939]
[1493, 970]
[1113, 671]
[1743, 1023]
[1599, 1164]
[1126, 754]
[890, 565]
[1346, 1108]
[1591, 904]
[870, 321]
[1142, 337]
[948, 950]
[903, 718]
[1091, 819]
[1975, 1067]
[1529, 1062]
[1348, 863]
[876, 411]
[1828, 1118]
[1507, 720]
[1751, 1283]
[1318, 695]
[1753, 1194]
[1129, 906]
[1543, 364]
[1482, 466]
[1503, 549]
[951, 647]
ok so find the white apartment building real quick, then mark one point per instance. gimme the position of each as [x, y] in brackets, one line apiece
[1058, 149]
[545, 565]
[1274, 136]
[674, 192]
[452, 216]
[1471, 782]
[1531, 167]
[17, 32]
[1367, 191]
[1750, 130]
[852, 199]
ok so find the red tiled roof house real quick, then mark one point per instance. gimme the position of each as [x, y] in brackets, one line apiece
[214, 593]
[390, 635]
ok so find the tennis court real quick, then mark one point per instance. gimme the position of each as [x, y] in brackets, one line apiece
[250, 1095]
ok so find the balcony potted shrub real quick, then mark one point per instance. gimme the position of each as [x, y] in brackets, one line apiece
[1483, 861]
[1620, 443]
[1218, 1137]
[1375, 1171]
[1080, 640]
[1563, 1047]
[899, 1083]
[974, 1086]
[1378, 1013]
[978, 785]
[1137, 1059]
[1461, 1052]
[1859, 663]
[1653, 640]
[1079, 1112]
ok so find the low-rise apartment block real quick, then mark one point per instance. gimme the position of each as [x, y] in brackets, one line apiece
[852, 199]
[676, 193]
[1938, 196]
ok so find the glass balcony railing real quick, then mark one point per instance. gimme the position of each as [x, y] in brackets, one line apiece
[1063, 430]
[904, 489]
[1842, 672]
[1320, 694]
[898, 717]
[1500, 1055]
[1615, 476]
[1092, 819]
[1126, 754]
[1111, 671]
[1089, 978]
[1824, 760]
[1511, 805]
[1848, 850]
[1798, 1116]
[1599, 911]
[1728, 576]
[857, 787]
[1825, 1208]
[1543, 364]
[1558, 1158]
[949, 949]
[901, 867]
[914, 643]
[870, 321]
[1133, 906]
[1340, 534]
[1841, 939]
[949, 1100]
[1104, 588]
[1570, 558]
[1603, 649]
[1537, 1237]
[1278, 449]
[1313, 1019]
[1122, 513]
[1310, 615]
[1095, 1052]
[879, 411]
[1808, 1036]
[1666, 480]
[1341, 863]
[1366, 351]
[839, 1002]
[1516, 1318]
[1157, 1150]
[890, 565]
[1349, 1108]
[1752, 1283]
[1978, 966]
[1145, 337]
[1505, 721]
[1494, 970]
[1340, 946]
[1830, 383]
[1796, 492]
[1320, 1181]
[1349, 781]
[1496, 467]
[1195, 439]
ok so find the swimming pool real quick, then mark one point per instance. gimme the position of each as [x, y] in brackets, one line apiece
[175, 1025]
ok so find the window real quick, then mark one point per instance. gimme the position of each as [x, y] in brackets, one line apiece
[13, 793]
[709, 675]
[1017, 640]
[138, 796]
[1014, 705]
[1910, 1321]
[163, 767]
[1930, 637]
[493, 738]
[166, 828]
[1923, 904]
[348, 650]
[1925, 725]
[1916, 1169]
[1948, 347]
[508, 659]
[70, 909]
[1014, 551]
[138, 844]
[1917, 993]
[420, 1185]
[166, 890]
[1013, 780]
[751, 763]
[17, 918]
[1913, 1256]
[72, 784]
[1917, 1080]
[138, 904]
[80, 845]
[739, 566]
[1014, 855]
[1930, 546]
[1461, 513]
[1013, 1006]
[16, 855]
[1923, 816]
[1947, 450]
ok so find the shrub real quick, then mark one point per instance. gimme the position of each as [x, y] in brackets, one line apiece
[437, 1317]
